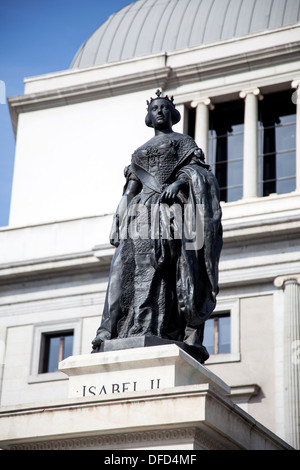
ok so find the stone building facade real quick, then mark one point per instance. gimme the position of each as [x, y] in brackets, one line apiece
[235, 78]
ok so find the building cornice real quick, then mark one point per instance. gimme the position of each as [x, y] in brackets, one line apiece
[173, 74]
[86, 92]
[237, 63]
[98, 257]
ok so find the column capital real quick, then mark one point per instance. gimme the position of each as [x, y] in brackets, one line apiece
[295, 83]
[207, 101]
[254, 91]
[296, 94]
[280, 281]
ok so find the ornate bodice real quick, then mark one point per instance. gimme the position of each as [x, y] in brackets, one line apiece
[162, 158]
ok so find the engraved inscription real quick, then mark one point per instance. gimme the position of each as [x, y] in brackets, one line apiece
[104, 389]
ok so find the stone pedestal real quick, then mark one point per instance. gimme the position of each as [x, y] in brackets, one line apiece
[150, 398]
[136, 369]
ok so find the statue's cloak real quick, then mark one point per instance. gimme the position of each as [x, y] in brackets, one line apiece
[164, 274]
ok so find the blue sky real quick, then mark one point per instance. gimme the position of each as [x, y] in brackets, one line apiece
[37, 37]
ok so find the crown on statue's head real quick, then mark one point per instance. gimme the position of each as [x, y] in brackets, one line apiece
[160, 96]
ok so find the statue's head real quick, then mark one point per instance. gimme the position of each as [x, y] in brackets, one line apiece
[161, 111]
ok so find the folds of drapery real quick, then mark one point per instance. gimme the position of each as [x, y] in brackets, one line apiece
[190, 232]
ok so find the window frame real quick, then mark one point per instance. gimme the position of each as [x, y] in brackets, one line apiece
[269, 121]
[46, 345]
[216, 330]
[47, 329]
[233, 307]
[223, 133]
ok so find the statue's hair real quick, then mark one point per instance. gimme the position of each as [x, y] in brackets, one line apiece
[176, 116]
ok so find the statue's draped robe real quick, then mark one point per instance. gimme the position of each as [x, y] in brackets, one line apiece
[164, 274]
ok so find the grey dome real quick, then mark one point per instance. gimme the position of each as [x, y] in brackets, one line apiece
[150, 26]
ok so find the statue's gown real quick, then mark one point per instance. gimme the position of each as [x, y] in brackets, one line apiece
[160, 283]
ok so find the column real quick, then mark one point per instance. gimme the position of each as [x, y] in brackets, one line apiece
[202, 123]
[296, 100]
[182, 125]
[250, 166]
[291, 287]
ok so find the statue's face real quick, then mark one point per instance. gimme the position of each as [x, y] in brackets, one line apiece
[161, 115]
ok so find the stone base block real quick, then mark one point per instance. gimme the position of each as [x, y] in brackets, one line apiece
[134, 370]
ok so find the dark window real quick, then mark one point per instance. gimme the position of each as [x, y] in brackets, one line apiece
[217, 334]
[277, 144]
[191, 122]
[54, 348]
[225, 154]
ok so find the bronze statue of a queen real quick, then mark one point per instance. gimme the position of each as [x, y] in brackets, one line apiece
[168, 236]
